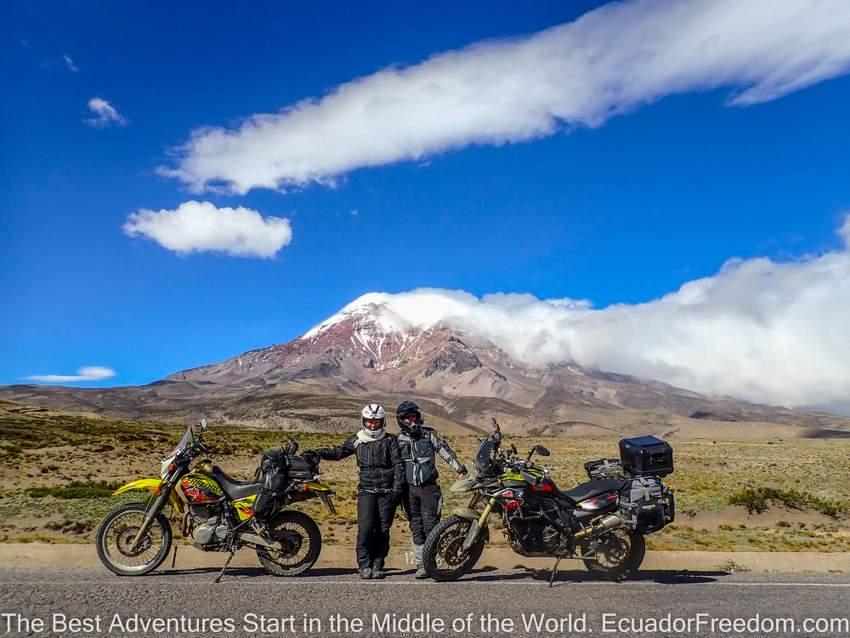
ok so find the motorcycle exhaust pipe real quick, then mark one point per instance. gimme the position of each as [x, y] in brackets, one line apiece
[612, 521]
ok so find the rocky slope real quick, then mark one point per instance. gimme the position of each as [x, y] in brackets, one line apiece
[366, 350]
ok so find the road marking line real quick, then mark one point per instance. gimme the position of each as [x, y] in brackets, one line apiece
[500, 583]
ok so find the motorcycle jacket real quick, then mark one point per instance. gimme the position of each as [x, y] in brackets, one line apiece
[379, 461]
[418, 451]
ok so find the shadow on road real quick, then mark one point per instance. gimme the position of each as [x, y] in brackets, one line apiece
[249, 572]
[484, 575]
[671, 577]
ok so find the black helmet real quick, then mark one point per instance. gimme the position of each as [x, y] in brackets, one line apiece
[407, 409]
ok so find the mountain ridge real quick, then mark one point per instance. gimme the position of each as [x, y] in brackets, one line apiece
[367, 351]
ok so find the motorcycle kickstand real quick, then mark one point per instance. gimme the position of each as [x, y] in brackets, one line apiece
[226, 563]
[174, 557]
[554, 571]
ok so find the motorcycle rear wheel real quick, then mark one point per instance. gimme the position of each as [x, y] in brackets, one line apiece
[117, 531]
[619, 553]
[302, 541]
[442, 556]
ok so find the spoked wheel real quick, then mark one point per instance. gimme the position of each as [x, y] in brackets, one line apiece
[443, 556]
[115, 536]
[301, 540]
[618, 553]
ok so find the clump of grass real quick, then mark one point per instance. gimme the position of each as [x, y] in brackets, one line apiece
[71, 527]
[75, 489]
[828, 506]
[11, 449]
[757, 500]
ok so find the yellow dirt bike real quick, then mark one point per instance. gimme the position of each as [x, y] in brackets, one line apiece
[217, 512]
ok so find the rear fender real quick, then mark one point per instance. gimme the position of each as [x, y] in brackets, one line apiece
[317, 486]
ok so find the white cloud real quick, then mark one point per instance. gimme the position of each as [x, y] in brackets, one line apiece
[844, 231]
[105, 114]
[609, 61]
[70, 64]
[202, 227]
[88, 373]
[758, 330]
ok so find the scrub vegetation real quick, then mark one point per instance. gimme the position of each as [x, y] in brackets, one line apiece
[58, 472]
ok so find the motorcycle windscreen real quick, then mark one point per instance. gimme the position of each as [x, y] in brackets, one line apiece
[181, 447]
[484, 457]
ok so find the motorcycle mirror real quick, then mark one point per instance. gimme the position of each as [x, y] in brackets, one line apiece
[539, 449]
[203, 424]
[293, 446]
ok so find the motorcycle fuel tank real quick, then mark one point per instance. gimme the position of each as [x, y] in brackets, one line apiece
[200, 488]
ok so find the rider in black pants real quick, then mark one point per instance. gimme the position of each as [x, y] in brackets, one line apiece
[423, 499]
[380, 489]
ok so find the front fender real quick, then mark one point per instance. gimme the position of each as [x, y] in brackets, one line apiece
[463, 485]
[144, 485]
[149, 485]
[469, 514]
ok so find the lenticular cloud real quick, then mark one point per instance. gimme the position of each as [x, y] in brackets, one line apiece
[758, 330]
[609, 61]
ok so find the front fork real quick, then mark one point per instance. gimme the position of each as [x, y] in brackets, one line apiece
[156, 508]
[476, 527]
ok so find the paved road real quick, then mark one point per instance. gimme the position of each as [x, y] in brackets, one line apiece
[576, 605]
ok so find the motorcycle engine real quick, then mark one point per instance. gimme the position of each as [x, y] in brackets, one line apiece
[207, 528]
[534, 537]
[551, 538]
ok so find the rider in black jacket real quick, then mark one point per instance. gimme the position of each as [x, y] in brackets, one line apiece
[380, 489]
[423, 499]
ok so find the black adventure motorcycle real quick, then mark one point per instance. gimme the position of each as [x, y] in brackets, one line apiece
[602, 521]
[217, 512]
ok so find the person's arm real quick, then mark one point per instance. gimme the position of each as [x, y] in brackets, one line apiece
[447, 453]
[339, 452]
[398, 469]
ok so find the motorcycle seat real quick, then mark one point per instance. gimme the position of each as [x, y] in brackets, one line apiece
[590, 489]
[233, 488]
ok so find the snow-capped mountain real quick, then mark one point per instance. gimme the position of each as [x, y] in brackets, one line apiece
[370, 351]
[367, 349]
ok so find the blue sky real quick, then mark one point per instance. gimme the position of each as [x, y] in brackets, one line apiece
[625, 211]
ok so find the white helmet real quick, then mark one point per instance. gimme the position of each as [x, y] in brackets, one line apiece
[368, 417]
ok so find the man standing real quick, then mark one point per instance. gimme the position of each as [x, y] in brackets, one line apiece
[380, 488]
[423, 499]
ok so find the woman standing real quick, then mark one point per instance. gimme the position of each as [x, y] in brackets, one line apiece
[380, 489]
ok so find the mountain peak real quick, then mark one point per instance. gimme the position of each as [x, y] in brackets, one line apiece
[371, 309]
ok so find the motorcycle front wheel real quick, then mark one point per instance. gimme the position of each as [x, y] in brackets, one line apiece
[116, 533]
[619, 553]
[301, 540]
[443, 556]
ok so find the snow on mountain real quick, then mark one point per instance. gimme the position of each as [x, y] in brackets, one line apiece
[377, 347]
